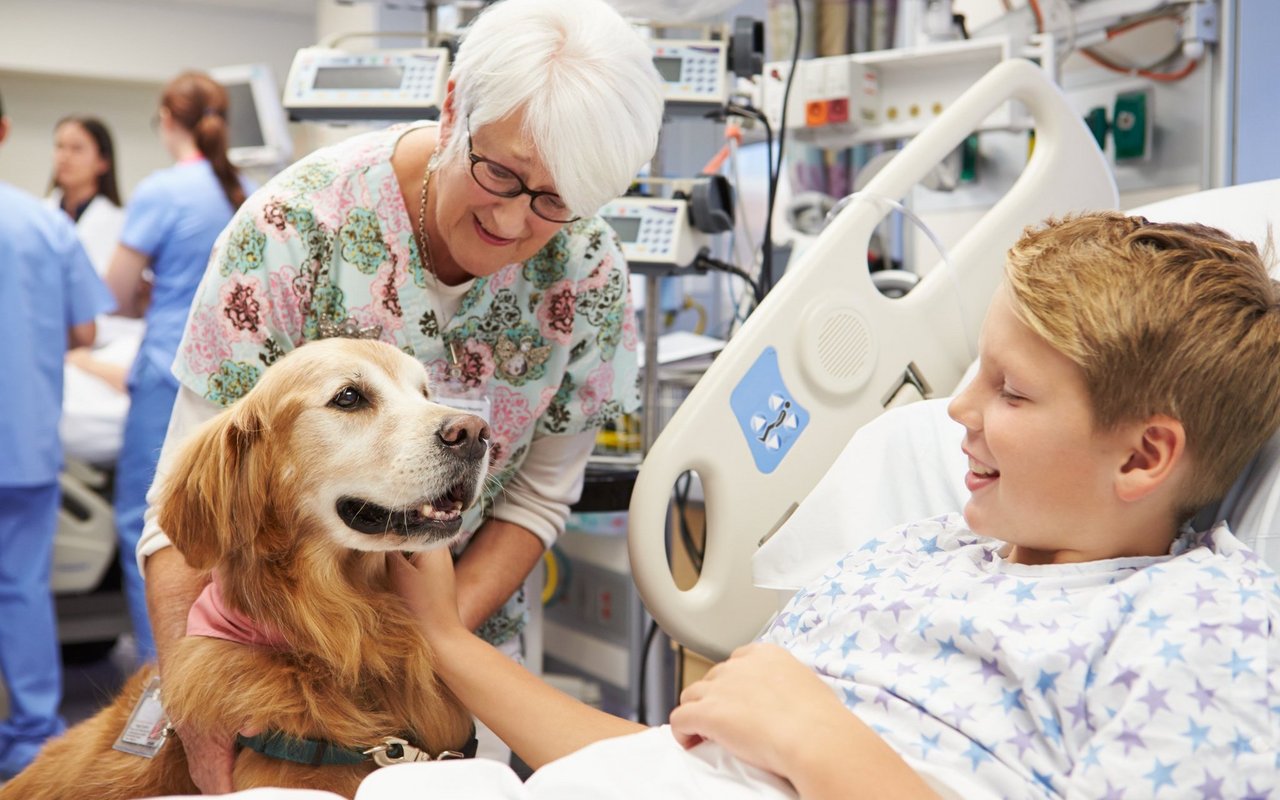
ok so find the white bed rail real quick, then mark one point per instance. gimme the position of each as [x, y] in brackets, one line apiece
[822, 352]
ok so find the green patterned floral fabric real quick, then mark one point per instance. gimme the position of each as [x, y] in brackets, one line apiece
[328, 244]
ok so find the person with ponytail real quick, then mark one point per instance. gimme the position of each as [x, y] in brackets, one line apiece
[171, 223]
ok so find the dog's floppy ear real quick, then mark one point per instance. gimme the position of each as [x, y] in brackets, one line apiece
[212, 499]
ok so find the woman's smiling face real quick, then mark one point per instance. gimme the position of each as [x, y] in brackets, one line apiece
[482, 231]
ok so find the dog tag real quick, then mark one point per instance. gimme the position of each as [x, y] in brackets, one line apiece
[144, 734]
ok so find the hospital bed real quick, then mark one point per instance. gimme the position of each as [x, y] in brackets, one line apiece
[904, 462]
[91, 608]
[836, 354]
[770, 424]
[826, 352]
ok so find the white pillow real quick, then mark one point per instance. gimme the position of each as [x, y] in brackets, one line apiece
[906, 464]
[1252, 507]
[902, 466]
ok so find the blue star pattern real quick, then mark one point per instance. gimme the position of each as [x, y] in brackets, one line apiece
[1155, 676]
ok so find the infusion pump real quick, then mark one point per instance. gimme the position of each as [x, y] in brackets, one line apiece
[329, 84]
[654, 231]
[694, 71]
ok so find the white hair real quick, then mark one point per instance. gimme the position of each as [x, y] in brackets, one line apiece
[585, 80]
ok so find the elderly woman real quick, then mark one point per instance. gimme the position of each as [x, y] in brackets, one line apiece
[471, 244]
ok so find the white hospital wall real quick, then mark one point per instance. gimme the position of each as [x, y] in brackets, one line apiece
[110, 58]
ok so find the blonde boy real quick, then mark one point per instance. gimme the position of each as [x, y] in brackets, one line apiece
[1065, 637]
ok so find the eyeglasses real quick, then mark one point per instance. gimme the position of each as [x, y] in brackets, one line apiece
[498, 180]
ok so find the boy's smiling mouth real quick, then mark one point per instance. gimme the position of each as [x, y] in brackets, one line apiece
[979, 475]
[981, 470]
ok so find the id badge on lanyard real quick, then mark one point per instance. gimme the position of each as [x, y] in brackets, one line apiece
[455, 393]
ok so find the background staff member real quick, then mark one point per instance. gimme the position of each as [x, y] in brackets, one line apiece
[170, 227]
[84, 185]
[49, 295]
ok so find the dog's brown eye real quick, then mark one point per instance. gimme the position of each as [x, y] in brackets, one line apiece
[349, 398]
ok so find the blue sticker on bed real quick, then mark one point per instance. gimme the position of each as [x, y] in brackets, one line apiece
[770, 418]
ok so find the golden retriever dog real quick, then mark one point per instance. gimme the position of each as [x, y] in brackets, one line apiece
[292, 500]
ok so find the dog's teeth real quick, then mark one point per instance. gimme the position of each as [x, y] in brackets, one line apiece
[427, 509]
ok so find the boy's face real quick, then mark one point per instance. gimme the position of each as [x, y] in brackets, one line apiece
[1040, 476]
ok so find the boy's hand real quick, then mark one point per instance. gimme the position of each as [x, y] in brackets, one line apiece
[426, 583]
[762, 705]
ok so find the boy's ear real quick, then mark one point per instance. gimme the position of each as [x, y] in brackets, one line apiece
[1157, 448]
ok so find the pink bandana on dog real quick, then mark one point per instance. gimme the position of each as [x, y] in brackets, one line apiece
[210, 616]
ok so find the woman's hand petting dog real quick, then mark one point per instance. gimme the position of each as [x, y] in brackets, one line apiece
[427, 584]
[211, 756]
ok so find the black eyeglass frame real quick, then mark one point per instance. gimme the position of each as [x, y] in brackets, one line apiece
[523, 189]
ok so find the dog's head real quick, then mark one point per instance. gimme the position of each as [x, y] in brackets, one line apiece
[341, 437]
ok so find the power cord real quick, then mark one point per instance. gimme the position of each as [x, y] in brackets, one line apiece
[642, 710]
[766, 271]
[683, 484]
[774, 166]
[704, 262]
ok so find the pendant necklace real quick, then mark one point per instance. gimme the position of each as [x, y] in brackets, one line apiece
[424, 244]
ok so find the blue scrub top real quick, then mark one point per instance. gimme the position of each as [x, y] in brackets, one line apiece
[47, 284]
[174, 217]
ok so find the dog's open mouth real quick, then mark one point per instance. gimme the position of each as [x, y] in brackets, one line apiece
[442, 515]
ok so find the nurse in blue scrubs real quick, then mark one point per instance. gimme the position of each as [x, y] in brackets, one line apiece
[49, 296]
[170, 226]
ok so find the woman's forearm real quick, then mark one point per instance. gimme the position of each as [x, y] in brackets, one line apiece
[172, 587]
[495, 564]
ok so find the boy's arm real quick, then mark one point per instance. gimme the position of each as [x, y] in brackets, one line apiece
[537, 721]
[770, 710]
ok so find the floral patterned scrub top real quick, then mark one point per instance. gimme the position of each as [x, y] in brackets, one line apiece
[327, 247]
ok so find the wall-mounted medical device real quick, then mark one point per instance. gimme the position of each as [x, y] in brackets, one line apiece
[841, 101]
[694, 71]
[329, 84]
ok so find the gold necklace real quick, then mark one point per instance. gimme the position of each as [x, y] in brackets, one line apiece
[423, 241]
[455, 369]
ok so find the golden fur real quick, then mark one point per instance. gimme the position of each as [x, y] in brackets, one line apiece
[253, 498]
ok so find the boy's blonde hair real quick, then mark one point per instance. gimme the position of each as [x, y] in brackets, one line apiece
[1173, 319]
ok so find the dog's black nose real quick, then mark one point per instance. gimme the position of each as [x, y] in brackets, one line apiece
[466, 434]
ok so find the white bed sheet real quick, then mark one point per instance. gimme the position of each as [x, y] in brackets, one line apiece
[93, 411]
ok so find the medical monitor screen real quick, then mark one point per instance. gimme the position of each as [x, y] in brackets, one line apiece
[257, 127]
[627, 227]
[668, 68]
[359, 77]
[242, 117]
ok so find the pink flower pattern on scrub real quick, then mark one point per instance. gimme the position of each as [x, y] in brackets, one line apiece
[329, 242]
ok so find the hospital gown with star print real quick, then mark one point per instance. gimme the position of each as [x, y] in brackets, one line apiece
[1130, 677]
